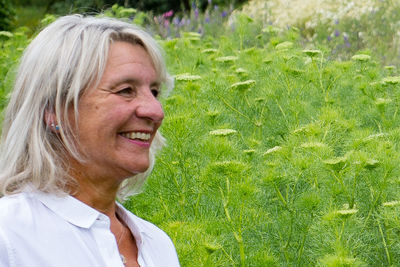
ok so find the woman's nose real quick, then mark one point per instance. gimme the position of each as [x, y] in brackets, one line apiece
[150, 107]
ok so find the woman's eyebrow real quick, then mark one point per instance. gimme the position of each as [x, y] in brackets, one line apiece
[155, 84]
[133, 81]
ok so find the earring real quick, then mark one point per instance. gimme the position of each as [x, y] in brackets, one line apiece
[55, 126]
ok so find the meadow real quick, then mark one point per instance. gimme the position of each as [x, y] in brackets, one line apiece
[279, 153]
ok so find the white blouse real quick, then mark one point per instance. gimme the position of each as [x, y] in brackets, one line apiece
[44, 230]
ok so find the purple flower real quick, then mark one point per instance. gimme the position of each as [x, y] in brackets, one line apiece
[337, 33]
[336, 21]
[209, 2]
[347, 44]
[216, 7]
[224, 14]
[193, 5]
[329, 38]
[207, 19]
[176, 21]
[196, 13]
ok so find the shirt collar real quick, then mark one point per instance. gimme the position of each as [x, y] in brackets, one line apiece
[134, 223]
[78, 213]
[69, 208]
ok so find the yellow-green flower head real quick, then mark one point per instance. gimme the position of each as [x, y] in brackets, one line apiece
[243, 85]
[311, 52]
[223, 132]
[346, 212]
[227, 59]
[241, 71]
[335, 161]
[271, 29]
[249, 151]
[391, 80]
[272, 150]
[382, 101]
[390, 67]
[391, 203]
[187, 77]
[192, 36]
[284, 45]
[374, 136]
[209, 51]
[361, 57]
[6, 34]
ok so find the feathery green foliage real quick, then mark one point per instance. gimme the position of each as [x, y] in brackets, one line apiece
[304, 162]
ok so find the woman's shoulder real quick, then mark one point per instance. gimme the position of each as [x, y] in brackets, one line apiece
[13, 204]
[16, 207]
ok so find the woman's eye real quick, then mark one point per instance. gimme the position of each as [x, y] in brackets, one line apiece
[125, 91]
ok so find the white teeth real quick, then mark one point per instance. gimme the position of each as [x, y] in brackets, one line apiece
[137, 135]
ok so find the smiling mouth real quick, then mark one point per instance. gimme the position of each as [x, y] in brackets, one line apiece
[137, 136]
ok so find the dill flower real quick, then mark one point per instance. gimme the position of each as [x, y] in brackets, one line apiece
[241, 71]
[243, 85]
[6, 34]
[209, 51]
[391, 80]
[284, 45]
[336, 163]
[382, 101]
[346, 212]
[391, 203]
[187, 77]
[390, 67]
[313, 145]
[361, 57]
[227, 59]
[373, 136]
[311, 52]
[249, 151]
[190, 35]
[272, 150]
[223, 132]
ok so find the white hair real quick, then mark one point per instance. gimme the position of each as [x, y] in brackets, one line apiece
[66, 58]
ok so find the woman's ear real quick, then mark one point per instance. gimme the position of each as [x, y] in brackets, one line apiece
[51, 121]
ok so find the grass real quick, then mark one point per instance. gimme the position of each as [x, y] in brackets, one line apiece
[277, 155]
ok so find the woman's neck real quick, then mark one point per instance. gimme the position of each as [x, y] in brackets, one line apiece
[97, 192]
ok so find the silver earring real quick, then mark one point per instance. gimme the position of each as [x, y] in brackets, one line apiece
[55, 126]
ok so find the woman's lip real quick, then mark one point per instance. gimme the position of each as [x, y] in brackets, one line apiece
[138, 131]
[141, 143]
[145, 144]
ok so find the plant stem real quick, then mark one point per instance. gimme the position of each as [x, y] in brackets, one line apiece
[384, 243]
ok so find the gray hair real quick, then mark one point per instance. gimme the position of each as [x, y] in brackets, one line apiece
[64, 59]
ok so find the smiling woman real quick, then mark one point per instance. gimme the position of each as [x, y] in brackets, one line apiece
[81, 129]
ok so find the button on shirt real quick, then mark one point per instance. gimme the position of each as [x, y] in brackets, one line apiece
[44, 230]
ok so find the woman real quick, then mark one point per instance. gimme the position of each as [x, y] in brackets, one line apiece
[80, 130]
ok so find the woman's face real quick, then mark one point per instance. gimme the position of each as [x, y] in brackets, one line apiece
[119, 119]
